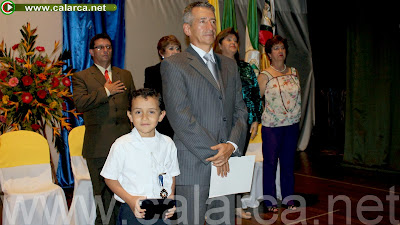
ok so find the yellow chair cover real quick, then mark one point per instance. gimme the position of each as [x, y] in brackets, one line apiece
[75, 140]
[25, 178]
[23, 147]
[83, 208]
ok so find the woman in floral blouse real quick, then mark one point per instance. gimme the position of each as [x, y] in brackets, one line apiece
[280, 122]
[227, 44]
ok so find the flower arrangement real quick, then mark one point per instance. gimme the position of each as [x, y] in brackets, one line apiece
[33, 87]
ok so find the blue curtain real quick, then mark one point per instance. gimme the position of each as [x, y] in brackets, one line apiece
[78, 29]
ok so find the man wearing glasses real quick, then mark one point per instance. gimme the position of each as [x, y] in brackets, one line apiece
[101, 93]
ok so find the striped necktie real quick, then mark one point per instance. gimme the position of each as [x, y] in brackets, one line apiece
[211, 66]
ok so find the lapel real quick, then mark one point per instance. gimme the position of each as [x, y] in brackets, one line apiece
[222, 73]
[97, 75]
[100, 77]
[198, 64]
[115, 74]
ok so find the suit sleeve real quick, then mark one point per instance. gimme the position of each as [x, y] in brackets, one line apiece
[239, 126]
[195, 137]
[83, 99]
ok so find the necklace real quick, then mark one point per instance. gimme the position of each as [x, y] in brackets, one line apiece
[280, 71]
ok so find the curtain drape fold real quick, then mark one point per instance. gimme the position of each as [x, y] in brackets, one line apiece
[291, 23]
[372, 137]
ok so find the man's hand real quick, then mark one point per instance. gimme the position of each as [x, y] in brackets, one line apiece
[134, 204]
[253, 130]
[225, 151]
[116, 87]
[223, 170]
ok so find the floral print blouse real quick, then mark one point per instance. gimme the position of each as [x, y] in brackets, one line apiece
[282, 100]
[250, 91]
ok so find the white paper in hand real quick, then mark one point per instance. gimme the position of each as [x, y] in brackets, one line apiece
[238, 180]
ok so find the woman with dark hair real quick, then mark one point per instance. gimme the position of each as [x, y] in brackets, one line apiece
[281, 87]
[227, 44]
[167, 46]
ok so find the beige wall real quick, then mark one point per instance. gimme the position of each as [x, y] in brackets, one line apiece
[49, 25]
[146, 22]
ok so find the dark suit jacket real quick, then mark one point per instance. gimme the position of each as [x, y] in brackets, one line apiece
[152, 79]
[105, 117]
[202, 114]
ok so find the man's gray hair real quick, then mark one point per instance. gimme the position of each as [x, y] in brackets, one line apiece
[187, 13]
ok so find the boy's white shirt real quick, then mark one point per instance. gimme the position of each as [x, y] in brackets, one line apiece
[136, 163]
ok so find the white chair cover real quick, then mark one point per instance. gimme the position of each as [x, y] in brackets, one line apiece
[30, 197]
[82, 210]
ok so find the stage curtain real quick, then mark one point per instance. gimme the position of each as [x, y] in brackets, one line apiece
[291, 23]
[78, 29]
[372, 137]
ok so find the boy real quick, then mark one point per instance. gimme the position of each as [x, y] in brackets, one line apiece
[143, 163]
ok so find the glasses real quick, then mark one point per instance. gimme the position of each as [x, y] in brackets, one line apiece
[99, 48]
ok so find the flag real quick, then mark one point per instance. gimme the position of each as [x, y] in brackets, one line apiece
[252, 54]
[229, 17]
[217, 17]
[266, 31]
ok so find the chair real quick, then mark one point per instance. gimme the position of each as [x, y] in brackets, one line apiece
[82, 208]
[30, 196]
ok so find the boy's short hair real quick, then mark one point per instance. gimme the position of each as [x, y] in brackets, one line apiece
[145, 93]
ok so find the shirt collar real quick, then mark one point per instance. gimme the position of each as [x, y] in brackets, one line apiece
[103, 70]
[202, 53]
[137, 137]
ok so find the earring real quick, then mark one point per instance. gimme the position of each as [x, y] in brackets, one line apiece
[162, 57]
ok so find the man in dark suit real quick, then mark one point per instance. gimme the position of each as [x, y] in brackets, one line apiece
[203, 98]
[101, 93]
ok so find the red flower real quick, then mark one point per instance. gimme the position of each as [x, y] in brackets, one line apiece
[41, 94]
[35, 127]
[3, 75]
[13, 81]
[64, 106]
[55, 82]
[1, 95]
[3, 119]
[15, 46]
[27, 97]
[66, 81]
[40, 48]
[39, 63]
[19, 60]
[27, 80]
